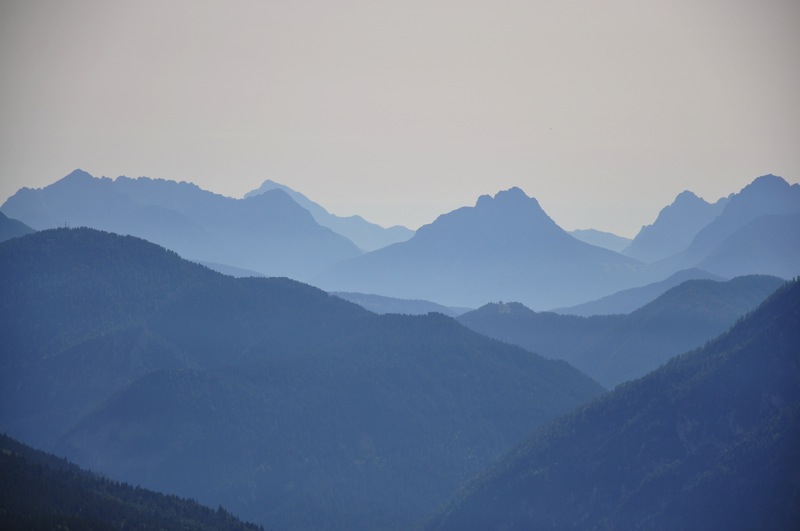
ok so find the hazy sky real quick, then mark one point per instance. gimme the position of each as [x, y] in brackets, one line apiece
[401, 111]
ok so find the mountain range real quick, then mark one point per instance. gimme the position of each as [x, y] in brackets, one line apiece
[755, 232]
[505, 247]
[367, 236]
[709, 441]
[616, 348]
[268, 233]
[297, 409]
[291, 407]
[674, 229]
[628, 300]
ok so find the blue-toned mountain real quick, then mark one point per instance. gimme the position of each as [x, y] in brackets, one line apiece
[768, 195]
[268, 233]
[11, 228]
[615, 348]
[675, 227]
[289, 406]
[629, 300]
[367, 236]
[709, 441]
[505, 247]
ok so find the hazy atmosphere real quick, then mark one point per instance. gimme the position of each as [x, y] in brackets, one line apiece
[401, 111]
[381, 266]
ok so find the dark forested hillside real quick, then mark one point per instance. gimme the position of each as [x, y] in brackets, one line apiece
[616, 348]
[709, 441]
[42, 492]
[289, 406]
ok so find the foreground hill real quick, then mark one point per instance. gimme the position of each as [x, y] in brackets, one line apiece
[616, 348]
[709, 441]
[268, 233]
[505, 247]
[367, 236]
[41, 491]
[291, 407]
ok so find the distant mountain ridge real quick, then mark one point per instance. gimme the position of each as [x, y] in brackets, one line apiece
[769, 245]
[675, 227]
[756, 246]
[616, 348]
[504, 247]
[11, 228]
[289, 406]
[628, 300]
[380, 304]
[709, 441]
[268, 233]
[367, 236]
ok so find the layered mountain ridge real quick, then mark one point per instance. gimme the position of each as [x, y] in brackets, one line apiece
[268, 233]
[709, 441]
[289, 406]
[367, 236]
[505, 246]
[616, 348]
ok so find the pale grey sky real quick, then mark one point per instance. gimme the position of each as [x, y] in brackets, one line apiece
[401, 111]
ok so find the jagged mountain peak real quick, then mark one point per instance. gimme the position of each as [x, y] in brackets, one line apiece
[687, 196]
[79, 177]
[514, 195]
[509, 212]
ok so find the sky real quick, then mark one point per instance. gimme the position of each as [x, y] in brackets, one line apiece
[402, 111]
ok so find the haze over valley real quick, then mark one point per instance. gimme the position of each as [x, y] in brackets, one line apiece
[205, 363]
[366, 266]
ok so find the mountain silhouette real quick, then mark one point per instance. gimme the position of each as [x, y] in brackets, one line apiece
[615, 348]
[674, 228]
[505, 247]
[768, 245]
[287, 405]
[367, 236]
[11, 228]
[628, 300]
[768, 195]
[709, 441]
[269, 233]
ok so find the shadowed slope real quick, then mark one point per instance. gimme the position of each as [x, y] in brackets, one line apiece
[289, 406]
[708, 441]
